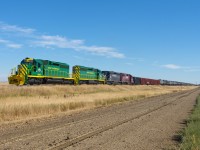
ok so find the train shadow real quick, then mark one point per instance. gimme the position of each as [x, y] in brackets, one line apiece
[178, 138]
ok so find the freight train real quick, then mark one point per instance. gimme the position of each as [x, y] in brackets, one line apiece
[37, 71]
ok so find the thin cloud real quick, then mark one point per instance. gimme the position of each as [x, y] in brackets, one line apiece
[78, 45]
[56, 42]
[10, 44]
[172, 66]
[3, 41]
[183, 68]
[102, 51]
[14, 45]
[13, 28]
[35, 39]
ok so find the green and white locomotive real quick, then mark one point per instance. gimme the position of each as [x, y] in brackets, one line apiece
[38, 71]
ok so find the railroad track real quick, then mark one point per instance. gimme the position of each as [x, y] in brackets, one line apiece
[66, 143]
[57, 127]
[102, 129]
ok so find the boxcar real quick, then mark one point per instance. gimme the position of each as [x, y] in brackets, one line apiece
[145, 81]
[154, 82]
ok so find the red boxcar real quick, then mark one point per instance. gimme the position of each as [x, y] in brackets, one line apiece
[126, 78]
[146, 81]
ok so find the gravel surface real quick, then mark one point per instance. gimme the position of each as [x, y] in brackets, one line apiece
[152, 131]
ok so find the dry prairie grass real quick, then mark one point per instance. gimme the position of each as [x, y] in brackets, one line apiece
[32, 101]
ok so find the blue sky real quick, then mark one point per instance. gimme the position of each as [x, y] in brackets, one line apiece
[157, 39]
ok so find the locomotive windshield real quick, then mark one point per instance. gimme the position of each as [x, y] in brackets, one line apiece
[27, 61]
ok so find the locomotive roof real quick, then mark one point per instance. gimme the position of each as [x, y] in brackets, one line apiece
[86, 67]
[31, 59]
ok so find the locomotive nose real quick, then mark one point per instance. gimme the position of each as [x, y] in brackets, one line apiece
[17, 77]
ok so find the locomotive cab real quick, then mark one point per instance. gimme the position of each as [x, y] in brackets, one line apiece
[19, 76]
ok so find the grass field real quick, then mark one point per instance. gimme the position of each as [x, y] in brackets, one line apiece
[191, 135]
[24, 102]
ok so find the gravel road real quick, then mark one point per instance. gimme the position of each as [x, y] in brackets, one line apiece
[150, 123]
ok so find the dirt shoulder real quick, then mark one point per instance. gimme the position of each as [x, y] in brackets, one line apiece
[152, 131]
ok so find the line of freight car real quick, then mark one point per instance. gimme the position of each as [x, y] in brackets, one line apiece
[122, 78]
[166, 82]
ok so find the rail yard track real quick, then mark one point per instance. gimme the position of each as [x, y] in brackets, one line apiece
[60, 134]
